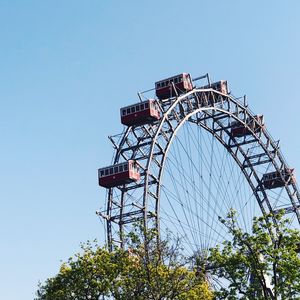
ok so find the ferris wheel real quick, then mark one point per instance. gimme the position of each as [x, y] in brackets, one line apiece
[186, 156]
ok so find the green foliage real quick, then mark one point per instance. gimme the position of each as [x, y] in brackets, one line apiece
[147, 270]
[87, 275]
[261, 265]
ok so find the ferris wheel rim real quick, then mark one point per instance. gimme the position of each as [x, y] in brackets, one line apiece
[164, 119]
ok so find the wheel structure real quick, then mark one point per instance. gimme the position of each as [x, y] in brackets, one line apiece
[194, 170]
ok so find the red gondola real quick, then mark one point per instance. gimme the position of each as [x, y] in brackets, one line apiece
[140, 113]
[239, 130]
[220, 86]
[119, 174]
[278, 179]
[165, 88]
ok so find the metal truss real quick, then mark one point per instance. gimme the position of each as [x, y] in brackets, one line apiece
[149, 145]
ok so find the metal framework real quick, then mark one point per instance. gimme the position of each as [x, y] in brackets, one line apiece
[149, 145]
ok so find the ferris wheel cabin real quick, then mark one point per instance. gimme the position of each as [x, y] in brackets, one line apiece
[140, 113]
[173, 86]
[220, 86]
[119, 174]
[239, 130]
[277, 179]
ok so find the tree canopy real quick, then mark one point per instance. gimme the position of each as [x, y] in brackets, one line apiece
[95, 273]
[264, 264]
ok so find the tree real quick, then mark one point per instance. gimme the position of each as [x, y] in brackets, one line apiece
[262, 265]
[144, 271]
[87, 275]
[165, 272]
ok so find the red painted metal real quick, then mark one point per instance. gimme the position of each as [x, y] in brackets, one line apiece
[140, 113]
[165, 88]
[119, 174]
[220, 86]
[239, 130]
[277, 179]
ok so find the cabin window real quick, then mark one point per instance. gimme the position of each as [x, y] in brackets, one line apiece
[125, 167]
[101, 173]
[124, 112]
[137, 108]
[111, 171]
[128, 111]
[106, 172]
[180, 79]
[116, 170]
[176, 80]
[162, 84]
[158, 85]
[142, 106]
[133, 109]
[146, 105]
[121, 168]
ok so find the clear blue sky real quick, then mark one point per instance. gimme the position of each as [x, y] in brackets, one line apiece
[66, 67]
